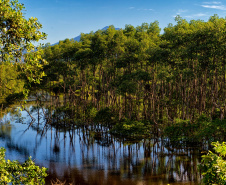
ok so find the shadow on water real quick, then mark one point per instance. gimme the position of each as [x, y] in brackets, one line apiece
[90, 155]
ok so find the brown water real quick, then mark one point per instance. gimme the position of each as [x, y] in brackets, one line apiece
[92, 156]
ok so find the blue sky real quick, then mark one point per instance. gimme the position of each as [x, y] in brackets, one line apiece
[63, 19]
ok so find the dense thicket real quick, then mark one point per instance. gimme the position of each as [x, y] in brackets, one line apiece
[140, 74]
[20, 66]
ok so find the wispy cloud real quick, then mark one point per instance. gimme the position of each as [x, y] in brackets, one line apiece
[214, 5]
[192, 16]
[196, 15]
[180, 11]
[141, 9]
[145, 9]
[213, 2]
[200, 15]
[221, 7]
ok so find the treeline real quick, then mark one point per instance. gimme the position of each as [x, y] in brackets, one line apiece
[139, 74]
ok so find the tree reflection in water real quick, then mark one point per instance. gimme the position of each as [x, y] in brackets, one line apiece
[88, 154]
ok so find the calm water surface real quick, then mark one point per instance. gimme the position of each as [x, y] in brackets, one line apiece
[92, 156]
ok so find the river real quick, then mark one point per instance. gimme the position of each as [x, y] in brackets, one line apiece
[90, 155]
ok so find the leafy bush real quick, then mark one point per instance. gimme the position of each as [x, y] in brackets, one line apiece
[203, 128]
[214, 130]
[15, 173]
[132, 129]
[104, 116]
[213, 165]
[181, 130]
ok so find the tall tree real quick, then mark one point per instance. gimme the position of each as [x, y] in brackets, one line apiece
[17, 35]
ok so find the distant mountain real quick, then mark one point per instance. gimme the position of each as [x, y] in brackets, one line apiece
[105, 28]
[79, 37]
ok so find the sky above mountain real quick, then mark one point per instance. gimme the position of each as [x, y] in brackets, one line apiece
[63, 19]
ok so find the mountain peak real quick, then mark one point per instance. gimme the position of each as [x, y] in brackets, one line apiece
[79, 37]
[103, 29]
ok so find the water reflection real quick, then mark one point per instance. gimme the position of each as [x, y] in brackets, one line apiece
[89, 155]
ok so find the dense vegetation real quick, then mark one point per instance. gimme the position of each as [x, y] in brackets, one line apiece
[176, 78]
[12, 172]
[214, 165]
[19, 65]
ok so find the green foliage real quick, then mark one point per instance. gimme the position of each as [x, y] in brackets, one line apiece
[91, 112]
[203, 128]
[17, 33]
[9, 82]
[32, 71]
[17, 49]
[171, 78]
[213, 130]
[15, 173]
[104, 116]
[11, 98]
[180, 130]
[213, 165]
[132, 129]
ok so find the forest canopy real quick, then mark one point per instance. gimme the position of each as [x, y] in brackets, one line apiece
[139, 74]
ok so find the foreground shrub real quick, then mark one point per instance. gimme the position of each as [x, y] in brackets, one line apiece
[213, 165]
[15, 173]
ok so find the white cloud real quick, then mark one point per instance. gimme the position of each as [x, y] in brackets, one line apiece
[196, 15]
[188, 16]
[213, 3]
[200, 15]
[145, 9]
[221, 7]
[141, 9]
[180, 11]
